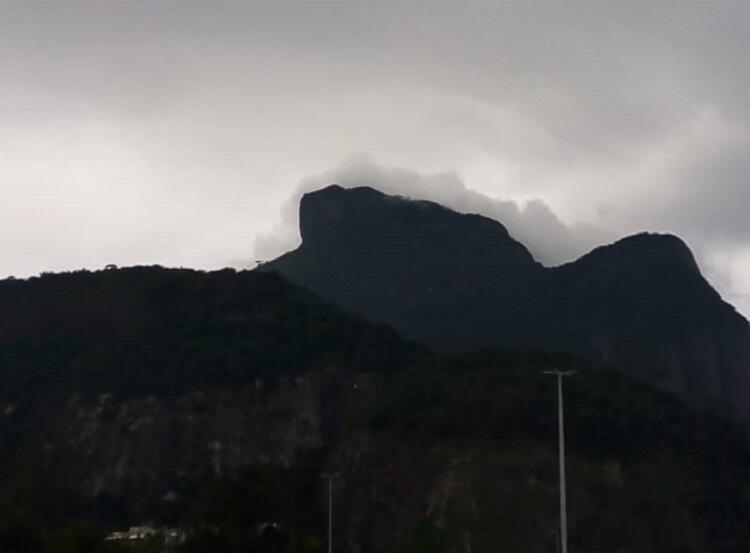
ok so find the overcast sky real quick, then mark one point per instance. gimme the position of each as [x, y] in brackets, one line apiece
[182, 132]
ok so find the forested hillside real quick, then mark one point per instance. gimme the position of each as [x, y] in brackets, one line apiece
[213, 402]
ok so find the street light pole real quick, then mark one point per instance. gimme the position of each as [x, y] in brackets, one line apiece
[561, 449]
[330, 477]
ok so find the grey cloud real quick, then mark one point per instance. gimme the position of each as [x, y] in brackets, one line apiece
[533, 223]
[180, 126]
[710, 197]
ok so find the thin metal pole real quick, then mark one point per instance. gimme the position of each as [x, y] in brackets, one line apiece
[330, 514]
[563, 543]
[330, 477]
[563, 499]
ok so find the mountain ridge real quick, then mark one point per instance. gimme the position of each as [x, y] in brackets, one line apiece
[145, 394]
[461, 281]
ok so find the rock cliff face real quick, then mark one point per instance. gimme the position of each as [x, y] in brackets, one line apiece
[148, 382]
[144, 386]
[457, 281]
[143, 454]
[145, 450]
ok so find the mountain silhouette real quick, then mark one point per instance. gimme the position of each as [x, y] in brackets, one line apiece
[214, 401]
[459, 281]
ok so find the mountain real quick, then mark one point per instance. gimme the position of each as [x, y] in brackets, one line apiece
[125, 392]
[149, 328]
[147, 345]
[459, 281]
[214, 401]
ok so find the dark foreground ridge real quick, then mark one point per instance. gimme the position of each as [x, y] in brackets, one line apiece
[212, 403]
[457, 281]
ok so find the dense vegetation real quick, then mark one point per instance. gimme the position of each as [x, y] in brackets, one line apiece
[159, 331]
[647, 472]
[438, 453]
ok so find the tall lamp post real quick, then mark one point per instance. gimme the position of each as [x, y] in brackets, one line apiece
[330, 476]
[561, 435]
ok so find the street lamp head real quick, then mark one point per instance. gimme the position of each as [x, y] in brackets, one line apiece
[558, 372]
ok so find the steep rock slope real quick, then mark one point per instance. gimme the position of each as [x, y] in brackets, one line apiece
[457, 281]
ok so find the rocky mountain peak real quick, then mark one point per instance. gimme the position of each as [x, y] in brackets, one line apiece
[457, 281]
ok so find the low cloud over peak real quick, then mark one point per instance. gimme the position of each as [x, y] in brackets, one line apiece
[533, 223]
